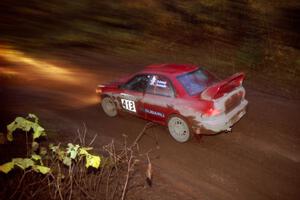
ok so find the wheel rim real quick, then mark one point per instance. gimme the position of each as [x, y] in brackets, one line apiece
[109, 107]
[179, 129]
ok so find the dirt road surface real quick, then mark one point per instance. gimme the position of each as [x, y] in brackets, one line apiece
[259, 159]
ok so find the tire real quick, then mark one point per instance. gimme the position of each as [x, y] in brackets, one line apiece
[178, 128]
[109, 107]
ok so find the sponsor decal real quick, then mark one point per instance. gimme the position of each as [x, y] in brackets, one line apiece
[152, 112]
[128, 105]
[127, 96]
[158, 83]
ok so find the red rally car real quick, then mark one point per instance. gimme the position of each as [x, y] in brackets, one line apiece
[185, 98]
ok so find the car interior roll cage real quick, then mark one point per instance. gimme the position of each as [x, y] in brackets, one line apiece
[145, 85]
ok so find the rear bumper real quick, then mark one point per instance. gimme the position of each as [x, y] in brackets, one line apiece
[222, 122]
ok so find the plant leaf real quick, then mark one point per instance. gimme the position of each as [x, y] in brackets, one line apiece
[72, 150]
[6, 167]
[33, 116]
[23, 163]
[53, 148]
[59, 152]
[36, 157]
[93, 161]
[34, 146]
[41, 169]
[25, 125]
[20, 123]
[67, 161]
[43, 151]
[82, 151]
[9, 136]
[38, 131]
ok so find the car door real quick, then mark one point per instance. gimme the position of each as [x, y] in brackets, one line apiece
[131, 95]
[158, 99]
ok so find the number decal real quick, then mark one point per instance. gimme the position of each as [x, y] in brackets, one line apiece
[128, 105]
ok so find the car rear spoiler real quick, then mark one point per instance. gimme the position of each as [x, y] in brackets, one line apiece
[219, 89]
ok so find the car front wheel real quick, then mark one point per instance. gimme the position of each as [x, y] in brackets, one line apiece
[178, 128]
[109, 107]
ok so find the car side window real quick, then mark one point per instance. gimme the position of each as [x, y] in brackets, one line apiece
[137, 83]
[159, 85]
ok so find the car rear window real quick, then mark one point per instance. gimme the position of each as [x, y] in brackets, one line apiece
[195, 82]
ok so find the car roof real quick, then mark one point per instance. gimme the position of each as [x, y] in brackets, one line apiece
[169, 69]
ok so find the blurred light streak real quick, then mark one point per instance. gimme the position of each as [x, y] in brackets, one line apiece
[50, 70]
[40, 73]
[8, 71]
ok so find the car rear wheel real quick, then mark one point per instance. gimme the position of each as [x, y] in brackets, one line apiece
[109, 107]
[178, 128]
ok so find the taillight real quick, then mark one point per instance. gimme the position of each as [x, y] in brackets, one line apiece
[212, 112]
[98, 90]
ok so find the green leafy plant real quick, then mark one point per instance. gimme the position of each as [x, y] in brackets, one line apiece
[24, 163]
[33, 161]
[26, 125]
[72, 153]
[63, 171]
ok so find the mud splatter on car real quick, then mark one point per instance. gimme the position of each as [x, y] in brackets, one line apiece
[186, 98]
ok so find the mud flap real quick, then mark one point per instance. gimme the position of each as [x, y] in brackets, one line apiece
[235, 119]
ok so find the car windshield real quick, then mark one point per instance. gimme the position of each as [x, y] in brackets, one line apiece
[196, 81]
